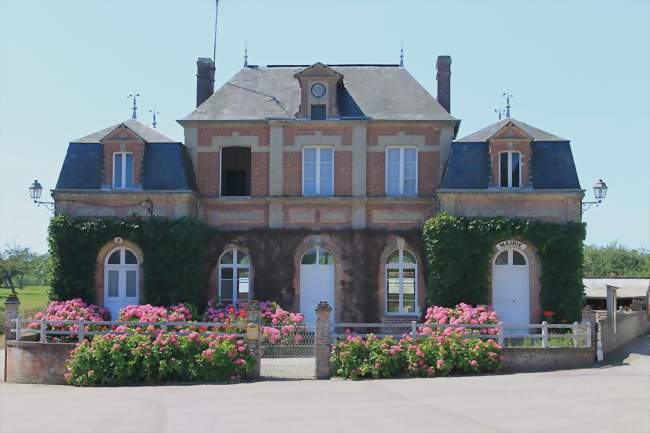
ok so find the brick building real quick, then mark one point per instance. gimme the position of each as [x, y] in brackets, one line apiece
[320, 178]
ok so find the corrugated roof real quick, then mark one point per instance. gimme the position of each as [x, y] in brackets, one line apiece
[627, 287]
[486, 133]
[144, 131]
[377, 92]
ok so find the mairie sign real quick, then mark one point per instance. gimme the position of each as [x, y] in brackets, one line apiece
[510, 244]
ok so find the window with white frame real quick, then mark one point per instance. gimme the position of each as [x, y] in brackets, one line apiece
[401, 171]
[510, 169]
[234, 277]
[318, 171]
[401, 283]
[122, 170]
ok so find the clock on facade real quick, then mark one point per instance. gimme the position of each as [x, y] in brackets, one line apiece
[318, 90]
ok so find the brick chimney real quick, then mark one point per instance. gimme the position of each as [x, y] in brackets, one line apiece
[204, 79]
[443, 65]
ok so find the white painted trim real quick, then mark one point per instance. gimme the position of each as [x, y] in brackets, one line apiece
[509, 168]
[122, 156]
[400, 267]
[235, 279]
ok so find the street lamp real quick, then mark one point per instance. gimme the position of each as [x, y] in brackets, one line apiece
[35, 191]
[600, 192]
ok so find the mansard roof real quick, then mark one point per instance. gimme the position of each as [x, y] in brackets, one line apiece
[142, 130]
[381, 92]
[551, 166]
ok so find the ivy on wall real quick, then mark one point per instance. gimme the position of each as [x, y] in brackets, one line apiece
[174, 253]
[459, 252]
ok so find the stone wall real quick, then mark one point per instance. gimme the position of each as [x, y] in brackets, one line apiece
[34, 362]
[555, 358]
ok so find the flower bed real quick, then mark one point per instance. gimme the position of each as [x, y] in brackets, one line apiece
[373, 357]
[461, 314]
[167, 357]
[73, 309]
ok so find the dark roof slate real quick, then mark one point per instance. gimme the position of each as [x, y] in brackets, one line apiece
[468, 167]
[486, 133]
[552, 166]
[166, 167]
[82, 167]
[379, 92]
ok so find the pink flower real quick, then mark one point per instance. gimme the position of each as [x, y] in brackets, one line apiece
[440, 363]
[473, 363]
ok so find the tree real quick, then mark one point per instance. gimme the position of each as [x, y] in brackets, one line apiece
[20, 266]
[616, 261]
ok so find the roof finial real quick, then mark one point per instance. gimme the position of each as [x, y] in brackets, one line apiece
[507, 95]
[245, 54]
[154, 112]
[499, 112]
[134, 96]
[216, 16]
[401, 54]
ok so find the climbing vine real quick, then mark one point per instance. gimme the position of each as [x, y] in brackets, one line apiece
[459, 252]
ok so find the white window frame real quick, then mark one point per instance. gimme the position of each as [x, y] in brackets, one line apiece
[401, 266]
[401, 170]
[235, 267]
[318, 164]
[122, 156]
[509, 168]
[122, 268]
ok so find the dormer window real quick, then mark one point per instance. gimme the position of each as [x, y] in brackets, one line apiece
[122, 170]
[510, 169]
[318, 112]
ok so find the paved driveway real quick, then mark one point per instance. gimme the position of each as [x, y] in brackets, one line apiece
[610, 398]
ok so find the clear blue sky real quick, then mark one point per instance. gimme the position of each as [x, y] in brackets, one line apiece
[578, 69]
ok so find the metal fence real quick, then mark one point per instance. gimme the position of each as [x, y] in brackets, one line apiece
[543, 334]
[288, 351]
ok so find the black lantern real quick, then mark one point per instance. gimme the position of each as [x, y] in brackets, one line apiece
[600, 190]
[35, 191]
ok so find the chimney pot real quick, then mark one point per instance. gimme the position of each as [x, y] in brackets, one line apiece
[443, 65]
[204, 79]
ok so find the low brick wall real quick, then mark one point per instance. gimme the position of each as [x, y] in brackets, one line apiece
[34, 362]
[538, 359]
[629, 325]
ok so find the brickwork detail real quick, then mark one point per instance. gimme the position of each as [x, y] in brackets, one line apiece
[208, 175]
[259, 174]
[343, 173]
[206, 134]
[323, 348]
[431, 135]
[111, 147]
[498, 146]
[290, 133]
[292, 166]
[375, 174]
[428, 175]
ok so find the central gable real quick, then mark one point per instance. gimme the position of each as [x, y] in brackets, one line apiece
[319, 85]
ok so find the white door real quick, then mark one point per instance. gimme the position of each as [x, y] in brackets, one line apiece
[316, 282]
[510, 287]
[120, 281]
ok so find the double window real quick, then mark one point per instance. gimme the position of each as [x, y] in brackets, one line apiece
[401, 171]
[318, 171]
[401, 283]
[122, 170]
[510, 169]
[234, 277]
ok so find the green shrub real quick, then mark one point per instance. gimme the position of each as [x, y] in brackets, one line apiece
[437, 355]
[459, 252]
[121, 360]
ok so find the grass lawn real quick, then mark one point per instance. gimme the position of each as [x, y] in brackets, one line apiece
[32, 298]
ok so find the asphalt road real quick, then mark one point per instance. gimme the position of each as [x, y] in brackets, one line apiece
[613, 397]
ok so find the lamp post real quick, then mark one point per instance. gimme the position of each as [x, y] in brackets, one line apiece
[35, 191]
[600, 192]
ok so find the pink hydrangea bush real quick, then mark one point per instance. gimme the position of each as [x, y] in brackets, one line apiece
[357, 357]
[148, 313]
[115, 360]
[73, 309]
[461, 314]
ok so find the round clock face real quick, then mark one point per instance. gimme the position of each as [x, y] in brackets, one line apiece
[318, 90]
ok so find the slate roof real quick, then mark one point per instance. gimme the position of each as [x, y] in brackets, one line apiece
[487, 132]
[166, 165]
[551, 168]
[382, 92]
[144, 131]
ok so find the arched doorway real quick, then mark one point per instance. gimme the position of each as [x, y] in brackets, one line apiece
[121, 280]
[511, 286]
[316, 282]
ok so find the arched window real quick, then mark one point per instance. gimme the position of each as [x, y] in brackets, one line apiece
[317, 256]
[401, 283]
[510, 257]
[234, 277]
[121, 280]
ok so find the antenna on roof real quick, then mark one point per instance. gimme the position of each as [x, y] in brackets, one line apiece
[245, 54]
[499, 112]
[507, 95]
[216, 16]
[401, 54]
[154, 112]
[134, 96]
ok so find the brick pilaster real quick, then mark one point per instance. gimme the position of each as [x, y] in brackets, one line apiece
[323, 348]
[254, 335]
[11, 313]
